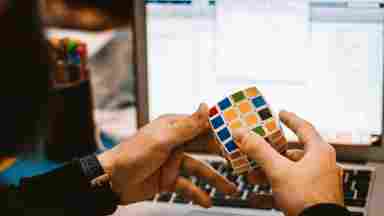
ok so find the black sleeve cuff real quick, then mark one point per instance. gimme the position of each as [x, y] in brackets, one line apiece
[325, 209]
[91, 167]
[68, 189]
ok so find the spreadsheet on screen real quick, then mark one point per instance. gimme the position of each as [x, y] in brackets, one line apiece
[320, 59]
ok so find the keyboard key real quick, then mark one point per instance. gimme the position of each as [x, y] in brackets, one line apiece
[362, 185]
[232, 202]
[350, 172]
[151, 199]
[362, 195]
[348, 185]
[165, 197]
[357, 214]
[219, 194]
[349, 194]
[260, 201]
[355, 202]
[362, 188]
[364, 174]
[180, 199]
[201, 183]
[207, 190]
[265, 188]
[249, 187]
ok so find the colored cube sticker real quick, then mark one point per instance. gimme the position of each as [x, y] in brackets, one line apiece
[271, 126]
[236, 125]
[251, 92]
[213, 111]
[251, 119]
[239, 96]
[253, 163]
[259, 130]
[265, 114]
[217, 122]
[230, 115]
[245, 107]
[224, 104]
[258, 102]
[224, 134]
[231, 146]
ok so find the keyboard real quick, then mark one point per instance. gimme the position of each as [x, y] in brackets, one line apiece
[357, 184]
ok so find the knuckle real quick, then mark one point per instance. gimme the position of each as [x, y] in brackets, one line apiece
[168, 117]
[308, 131]
[212, 178]
[163, 116]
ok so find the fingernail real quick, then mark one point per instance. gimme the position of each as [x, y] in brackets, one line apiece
[200, 107]
[200, 111]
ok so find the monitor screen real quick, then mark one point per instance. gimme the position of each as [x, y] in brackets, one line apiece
[320, 59]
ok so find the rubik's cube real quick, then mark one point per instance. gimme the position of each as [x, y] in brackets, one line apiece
[246, 108]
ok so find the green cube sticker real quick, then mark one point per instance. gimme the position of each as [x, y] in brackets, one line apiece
[253, 163]
[238, 96]
[259, 130]
[72, 45]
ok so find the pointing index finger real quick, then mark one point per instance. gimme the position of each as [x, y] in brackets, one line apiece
[200, 169]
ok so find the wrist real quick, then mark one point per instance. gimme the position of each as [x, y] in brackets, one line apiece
[107, 160]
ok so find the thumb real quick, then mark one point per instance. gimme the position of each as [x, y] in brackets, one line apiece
[186, 128]
[258, 149]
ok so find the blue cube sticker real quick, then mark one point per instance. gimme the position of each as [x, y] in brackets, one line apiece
[231, 146]
[224, 134]
[224, 104]
[258, 102]
[217, 122]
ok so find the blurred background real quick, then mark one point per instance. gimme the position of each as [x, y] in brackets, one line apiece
[110, 44]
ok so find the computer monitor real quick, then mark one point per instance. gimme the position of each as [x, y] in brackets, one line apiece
[320, 59]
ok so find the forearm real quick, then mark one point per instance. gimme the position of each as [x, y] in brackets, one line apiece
[64, 191]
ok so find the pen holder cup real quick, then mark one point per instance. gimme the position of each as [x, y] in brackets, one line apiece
[71, 126]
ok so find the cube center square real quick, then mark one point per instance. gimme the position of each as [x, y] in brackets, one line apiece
[245, 109]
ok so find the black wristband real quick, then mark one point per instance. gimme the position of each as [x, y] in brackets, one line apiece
[325, 209]
[105, 198]
[91, 167]
[68, 189]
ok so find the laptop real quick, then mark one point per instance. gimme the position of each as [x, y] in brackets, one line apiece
[322, 59]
